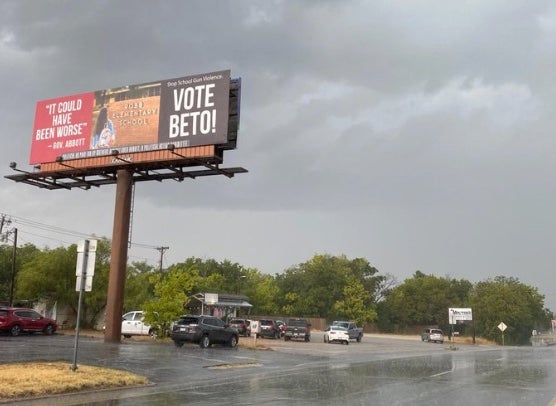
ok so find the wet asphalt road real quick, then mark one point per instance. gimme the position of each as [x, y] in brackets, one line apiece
[377, 371]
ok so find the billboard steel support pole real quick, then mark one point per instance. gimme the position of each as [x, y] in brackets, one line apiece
[118, 261]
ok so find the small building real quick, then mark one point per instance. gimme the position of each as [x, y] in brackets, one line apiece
[222, 305]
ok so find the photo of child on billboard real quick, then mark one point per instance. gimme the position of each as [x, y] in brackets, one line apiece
[104, 134]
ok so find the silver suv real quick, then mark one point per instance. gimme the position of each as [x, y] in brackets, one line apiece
[433, 334]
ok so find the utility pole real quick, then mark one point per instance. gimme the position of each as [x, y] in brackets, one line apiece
[161, 249]
[4, 221]
[14, 257]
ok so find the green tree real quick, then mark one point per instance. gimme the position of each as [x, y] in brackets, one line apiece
[312, 288]
[23, 253]
[505, 299]
[355, 305]
[422, 300]
[263, 292]
[5, 272]
[49, 276]
[216, 277]
[194, 275]
[171, 292]
[138, 286]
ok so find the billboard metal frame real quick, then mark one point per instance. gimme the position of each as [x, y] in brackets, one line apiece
[67, 176]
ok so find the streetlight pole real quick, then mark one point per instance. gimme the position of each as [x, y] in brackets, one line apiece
[241, 277]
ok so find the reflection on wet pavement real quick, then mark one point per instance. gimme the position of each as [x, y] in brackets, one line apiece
[372, 372]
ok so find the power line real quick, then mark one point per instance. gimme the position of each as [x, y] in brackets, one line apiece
[58, 230]
[48, 227]
[63, 242]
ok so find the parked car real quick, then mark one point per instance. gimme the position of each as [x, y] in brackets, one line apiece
[16, 320]
[355, 333]
[204, 330]
[243, 326]
[269, 328]
[298, 328]
[433, 334]
[133, 325]
[337, 334]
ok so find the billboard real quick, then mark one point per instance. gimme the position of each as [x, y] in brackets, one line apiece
[186, 112]
[459, 314]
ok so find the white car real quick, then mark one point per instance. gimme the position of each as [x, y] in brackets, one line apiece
[337, 334]
[133, 325]
[433, 334]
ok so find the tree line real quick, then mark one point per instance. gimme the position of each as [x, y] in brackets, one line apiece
[325, 286]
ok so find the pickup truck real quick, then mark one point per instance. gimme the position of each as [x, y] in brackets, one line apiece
[355, 333]
[134, 325]
[298, 328]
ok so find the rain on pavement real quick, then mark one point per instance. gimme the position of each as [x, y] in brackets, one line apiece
[378, 371]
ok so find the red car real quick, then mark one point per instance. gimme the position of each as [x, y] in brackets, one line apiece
[243, 326]
[269, 329]
[17, 320]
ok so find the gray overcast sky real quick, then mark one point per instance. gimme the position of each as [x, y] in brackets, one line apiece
[416, 134]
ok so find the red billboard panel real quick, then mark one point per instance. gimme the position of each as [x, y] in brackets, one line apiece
[187, 111]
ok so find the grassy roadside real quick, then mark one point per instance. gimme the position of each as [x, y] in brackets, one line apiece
[38, 379]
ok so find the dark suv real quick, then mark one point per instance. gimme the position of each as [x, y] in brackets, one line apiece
[269, 328]
[204, 330]
[243, 326]
[17, 320]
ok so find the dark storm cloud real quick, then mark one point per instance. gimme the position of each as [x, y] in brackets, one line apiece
[416, 134]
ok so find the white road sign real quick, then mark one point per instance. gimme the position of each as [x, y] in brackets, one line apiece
[87, 269]
[459, 314]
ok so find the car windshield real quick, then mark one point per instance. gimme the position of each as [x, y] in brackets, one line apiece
[188, 321]
[266, 322]
[297, 323]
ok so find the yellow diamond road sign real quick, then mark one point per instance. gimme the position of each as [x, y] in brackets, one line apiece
[502, 326]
